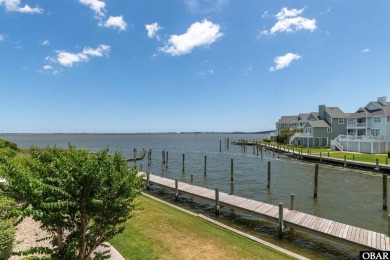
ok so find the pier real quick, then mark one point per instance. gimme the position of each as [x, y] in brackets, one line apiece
[350, 235]
[321, 158]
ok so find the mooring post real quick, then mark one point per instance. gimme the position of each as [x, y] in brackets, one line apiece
[217, 201]
[163, 157]
[150, 155]
[135, 155]
[254, 147]
[377, 165]
[257, 149]
[388, 225]
[269, 175]
[292, 201]
[231, 178]
[384, 191]
[183, 163]
[176, 189]
[166, 160]
[281, 221]
[345, 161]
[220, 146]
[261, 151]
[192, 178]
[205, 165]
[148, 180]
[316, 181]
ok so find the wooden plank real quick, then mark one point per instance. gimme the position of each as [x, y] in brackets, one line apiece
[378, 241]
[365, 237]
[383, 246]
[349, 234]
[387, 240]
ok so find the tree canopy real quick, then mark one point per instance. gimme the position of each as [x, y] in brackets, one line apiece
[80, 198]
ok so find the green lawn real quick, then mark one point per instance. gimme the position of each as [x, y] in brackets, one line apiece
[162, 232]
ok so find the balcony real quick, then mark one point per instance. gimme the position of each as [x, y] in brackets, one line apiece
[357, 125]
[361, 137]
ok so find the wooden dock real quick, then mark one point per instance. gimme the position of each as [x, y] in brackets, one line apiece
[321, 158]
[353, 236]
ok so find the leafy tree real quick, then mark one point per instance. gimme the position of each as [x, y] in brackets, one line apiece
[80, 198]
[7, 231]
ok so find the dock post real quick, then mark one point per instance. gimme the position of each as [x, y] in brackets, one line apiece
[148, 180]
[176, 189]
[345, 161]
[217, 202]
[163, 157]
[183, 163]
[377, 165]
[228, 140]
[261, 151]
[231, 178]
[192, 178]
[166, 159]
[135, 156]
[269, 175]
[150, 155]
[281, 221]
[316, 181]
[384, 191]
[205, 165]
[220, 146]
[292, 201]
[254, 151]
[388, 225]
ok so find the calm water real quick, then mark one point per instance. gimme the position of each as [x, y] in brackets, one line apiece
[349, 196]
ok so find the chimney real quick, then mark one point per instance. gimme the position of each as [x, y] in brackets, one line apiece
[382, 100]
[321, 111]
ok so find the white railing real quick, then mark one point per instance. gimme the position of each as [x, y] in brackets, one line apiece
[360, 137]
[337, 144]
[357, 124]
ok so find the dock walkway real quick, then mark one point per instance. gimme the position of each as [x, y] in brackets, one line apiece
[329, 229]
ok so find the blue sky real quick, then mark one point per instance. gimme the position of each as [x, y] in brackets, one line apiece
[128, 66]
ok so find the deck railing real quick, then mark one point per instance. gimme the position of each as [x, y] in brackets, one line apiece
[361, 137]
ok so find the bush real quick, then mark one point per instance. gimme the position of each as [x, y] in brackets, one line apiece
[388, 154]
[8, 144]
[7, 231]
[7, 152]
[267, 140]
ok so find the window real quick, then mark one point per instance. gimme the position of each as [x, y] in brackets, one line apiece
[329, 130]
[341, 120]
[308, 130]
[287, 125]
[375, 132]
[351, 120]
[330, 120]
[377, 119]
[301, 124]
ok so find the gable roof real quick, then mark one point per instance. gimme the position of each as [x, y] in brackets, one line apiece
[383, 110]
[318, 123]
[335, 112]
[287, 119]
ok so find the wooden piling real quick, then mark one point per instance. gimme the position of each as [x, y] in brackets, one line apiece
[261, 151]
[176, 190]
[163, 157]
[205, 165]
[377, 165]
[280, 221]
[166, 160]
[316, 180]
[135, 155]
[231, 178]
[183, 163]
[269, 175]
[292, 201]
[345, 161]
[148, 180]
[220, 146]
[384, 177]
[192, 178]
[217, 201]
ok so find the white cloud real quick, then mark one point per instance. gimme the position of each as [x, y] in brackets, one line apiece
[45, 42]
[205, 6]
[284, 61]
[198, 34]
[365, 50]
[14, 6]
[68, 59]
[96, 6]
[115, 22]
[47, 67]
[153, 29]
[3, 37]
[289, 21]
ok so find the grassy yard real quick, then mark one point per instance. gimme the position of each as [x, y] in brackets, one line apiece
[163, 232]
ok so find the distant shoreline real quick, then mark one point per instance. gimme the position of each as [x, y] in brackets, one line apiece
[142, 133]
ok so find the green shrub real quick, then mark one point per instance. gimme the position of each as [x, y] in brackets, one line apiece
[267, 140]
[388, 154]
[8, 144]
[7, 231]
[7, 152]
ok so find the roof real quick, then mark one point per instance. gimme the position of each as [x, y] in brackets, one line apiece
[335, 112]
[287, 119]
[365, 112]
[318, 123]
